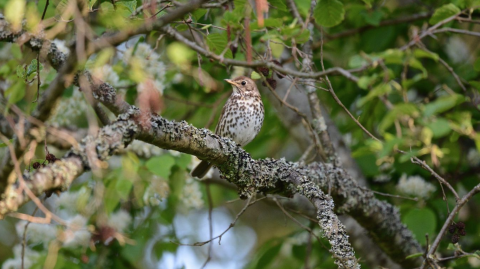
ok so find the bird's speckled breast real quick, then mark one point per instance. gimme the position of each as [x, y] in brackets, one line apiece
[242, 119]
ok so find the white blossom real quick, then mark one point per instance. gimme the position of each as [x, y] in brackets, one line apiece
[144, 149]
[106, 73]
[156, 191]
[68, 109]
[76, 234]
[177, 78]
[474, 262]
[61, 46]
[119, 220]
[381, 178]
[298, 239]
[174, 153]
[415, 186]
[191, 195]
[37, 232]
[412, 95]
[473, 157]
[457, 50]
[29, 259]
[150, 62]
[68, 200]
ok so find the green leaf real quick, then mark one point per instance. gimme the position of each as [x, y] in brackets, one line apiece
[255, 75]
[181, 27]
[218, 43]
[179, 53]
[112, 199]
[270, 22]
[406, 157]
[389, 145]
[393, 56]
[444, 12]
[21, 72]
[14, 12]
[368, 3]
[299, 252]
[475, 84]
[329, 13]
[407, 83]
[414, 63]
[373, 18]
[395, 113]
[439, 127]
[451, 247]
[123, 187]
[268, 256]
[130, 5]
[421, 222]
[4, 69]
[134, 253]
[32, 67]
[160, 165]
[16, 92]
[199, 13]
[278, 4]
[302, 37]
[418, 53]
[183, 160]
[16, 51]
[476, 65]
[357, 61]
[365, 81]
[413, 256]
[2, 145]
[476, 254]
[91, 3]
[443, 104]
[379, 90]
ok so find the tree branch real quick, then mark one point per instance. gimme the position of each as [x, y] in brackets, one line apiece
[268, 176]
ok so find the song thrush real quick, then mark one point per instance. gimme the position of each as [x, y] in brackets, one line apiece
[241, 118]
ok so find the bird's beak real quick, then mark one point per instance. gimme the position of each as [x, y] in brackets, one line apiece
[232, 82]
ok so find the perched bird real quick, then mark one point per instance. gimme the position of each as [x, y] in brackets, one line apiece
[241, 118]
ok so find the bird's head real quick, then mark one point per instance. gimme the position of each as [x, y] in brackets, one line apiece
[244, 86]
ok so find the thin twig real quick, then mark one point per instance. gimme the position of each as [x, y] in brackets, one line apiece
[38, 55]
[229, 227]
[424, 165]
[210, 223]
[447, 223]
[458, 31]
[23, 185]
[24, 238]
[447, 66]
[394, 195]
[162, 9]
[295, 220]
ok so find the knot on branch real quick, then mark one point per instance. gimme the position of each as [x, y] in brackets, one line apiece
[56, 57]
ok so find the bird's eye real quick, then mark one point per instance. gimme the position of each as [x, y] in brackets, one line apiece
[244, 83]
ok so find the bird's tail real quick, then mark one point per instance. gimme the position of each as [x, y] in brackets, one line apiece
[202, 169]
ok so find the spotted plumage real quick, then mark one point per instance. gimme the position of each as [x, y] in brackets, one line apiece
[241, 118]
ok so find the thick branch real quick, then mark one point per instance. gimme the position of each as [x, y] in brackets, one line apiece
[269, 176]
